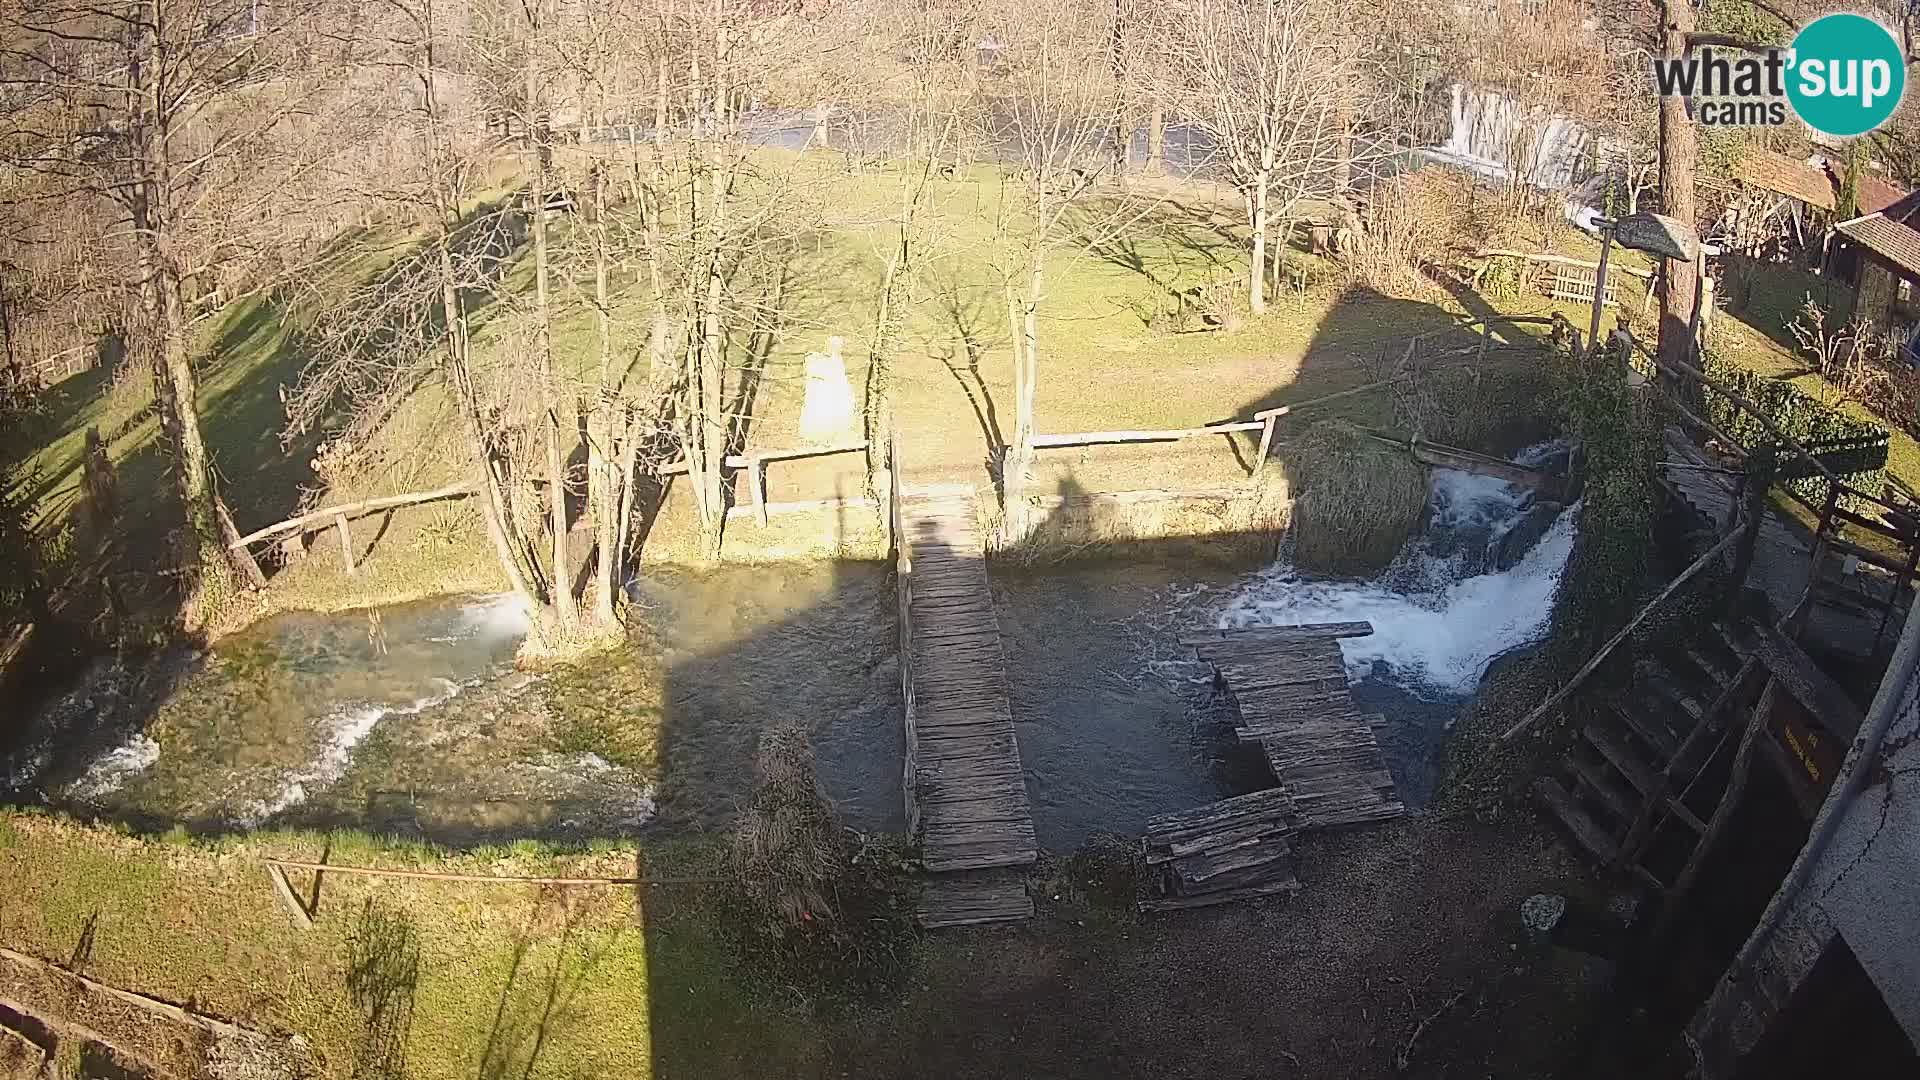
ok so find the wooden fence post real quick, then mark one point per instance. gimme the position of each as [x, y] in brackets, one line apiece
[1266, 444]
[757, 488]
[346, 541]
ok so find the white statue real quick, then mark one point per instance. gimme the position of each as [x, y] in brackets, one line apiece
[828, 414]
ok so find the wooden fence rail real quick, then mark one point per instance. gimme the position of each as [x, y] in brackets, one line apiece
[756, 465]
[1262, 421]
[336, 517]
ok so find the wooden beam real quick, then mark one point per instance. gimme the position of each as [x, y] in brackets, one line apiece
[346, 541]
[1090, 438]
[1302, 632]
[322, 518]
[1613, 643]
[1449, 457]
[757, 486]
[1717, 824]
[501, 879]
[742, 461]
[1793, 669]
[283, 890]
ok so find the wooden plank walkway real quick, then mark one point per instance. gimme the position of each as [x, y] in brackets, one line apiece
[1290, 687]
[1235, 849]
[966, 792]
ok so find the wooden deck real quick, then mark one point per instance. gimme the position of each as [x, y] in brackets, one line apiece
[966, 792]
[1290, 687]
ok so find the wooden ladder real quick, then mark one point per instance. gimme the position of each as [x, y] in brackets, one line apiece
[1632, 780]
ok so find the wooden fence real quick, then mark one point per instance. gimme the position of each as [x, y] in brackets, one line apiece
[336, 518]
[755, 464]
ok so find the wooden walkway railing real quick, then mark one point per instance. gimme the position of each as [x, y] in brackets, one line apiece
[755, 464]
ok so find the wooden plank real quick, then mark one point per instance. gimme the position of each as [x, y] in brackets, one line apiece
[1594, 778]
[1092, 438]
[1280, 887]
[278, 876]
[1804, 680]
[973, 899]
[1638, 773]
[1590, 835]
[970, 808]
[1302, 632]
[346, 541]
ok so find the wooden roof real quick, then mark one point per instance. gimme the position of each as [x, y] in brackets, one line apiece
[1897, 243]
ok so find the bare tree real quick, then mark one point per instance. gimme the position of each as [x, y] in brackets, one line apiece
[1270, 85]
[1050, 105]
[181, 119]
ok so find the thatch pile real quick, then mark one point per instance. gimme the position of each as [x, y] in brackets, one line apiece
[788, 849]
[1357, 499]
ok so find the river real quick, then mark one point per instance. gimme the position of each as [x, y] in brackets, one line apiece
[413, 721]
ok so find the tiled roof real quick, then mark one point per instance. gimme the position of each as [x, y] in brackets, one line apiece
[1897, 243]
[1781, 174]
[1874, 194]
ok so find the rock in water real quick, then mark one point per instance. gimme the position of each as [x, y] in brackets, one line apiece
[827, 414]
[1512, 546]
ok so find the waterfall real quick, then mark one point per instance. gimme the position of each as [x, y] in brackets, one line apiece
[1487, 126]
[1443, 612]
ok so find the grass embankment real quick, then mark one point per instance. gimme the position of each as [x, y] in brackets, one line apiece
[398, 977]
[1102, 368]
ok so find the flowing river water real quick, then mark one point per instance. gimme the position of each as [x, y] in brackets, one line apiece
[412, 720]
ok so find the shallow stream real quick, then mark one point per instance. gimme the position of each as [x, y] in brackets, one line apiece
[412, 720]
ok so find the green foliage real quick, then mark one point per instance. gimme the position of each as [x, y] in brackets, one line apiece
[1744, 20]
[1606, 573]
[1717, 149]
[1501, 280]
[1855, 450]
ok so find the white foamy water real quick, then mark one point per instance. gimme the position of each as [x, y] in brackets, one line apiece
[501, 616]
[345, 729]
[1440, 615]
[115, 767]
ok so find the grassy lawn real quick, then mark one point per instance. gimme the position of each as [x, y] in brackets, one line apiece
[511, 980]
[1102, 368]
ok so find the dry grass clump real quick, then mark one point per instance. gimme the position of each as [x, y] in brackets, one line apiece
[1494, 410]
[1358, 500]
[1410, 223]
[787, 847]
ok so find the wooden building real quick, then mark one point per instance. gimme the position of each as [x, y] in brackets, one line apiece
[1879, 255]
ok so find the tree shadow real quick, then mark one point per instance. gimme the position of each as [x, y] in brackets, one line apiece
[968, 319]
[536, 1006]
[383, 976]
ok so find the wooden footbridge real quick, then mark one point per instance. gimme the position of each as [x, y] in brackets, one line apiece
[965, 790]
[1289, 684]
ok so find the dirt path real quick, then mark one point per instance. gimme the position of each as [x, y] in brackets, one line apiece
[1392, 925]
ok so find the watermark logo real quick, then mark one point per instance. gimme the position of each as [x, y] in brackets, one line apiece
[1843, 75]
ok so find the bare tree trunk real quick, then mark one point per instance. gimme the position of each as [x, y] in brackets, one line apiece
[1256, 291]
[1677, 151]
[556, 405]
[499, 521]
[1157, 138]
[206, 560]
[605, 487]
